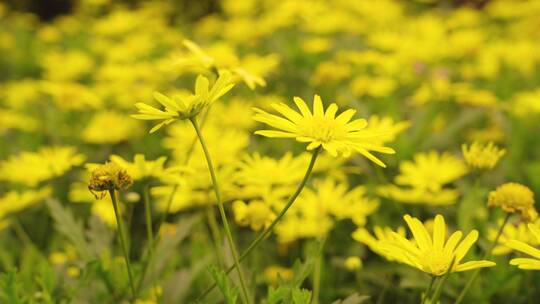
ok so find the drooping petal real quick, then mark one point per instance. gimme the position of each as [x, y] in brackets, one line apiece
[525, 248]
[473, 265]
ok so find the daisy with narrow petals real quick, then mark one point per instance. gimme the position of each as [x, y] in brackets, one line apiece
[433, 254]
[179, 107]
[337, 135]
[527, 263]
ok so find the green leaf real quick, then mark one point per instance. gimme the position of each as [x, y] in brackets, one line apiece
[9, 288]
[72, 229]
[301, 296]
[355, 298]
[226, 286]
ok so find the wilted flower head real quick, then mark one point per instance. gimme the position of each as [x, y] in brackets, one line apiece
[482, 156]
[109, 176]
[514, 197]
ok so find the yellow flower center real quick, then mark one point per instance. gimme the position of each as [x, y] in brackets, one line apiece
[323, 129]
[435, 262]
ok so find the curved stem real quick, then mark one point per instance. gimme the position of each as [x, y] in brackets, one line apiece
[123, 243]
[487, 254]
[221, 209]
[267, 231]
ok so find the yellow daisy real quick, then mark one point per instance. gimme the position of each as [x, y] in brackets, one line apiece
[433, 254]
[337, 135]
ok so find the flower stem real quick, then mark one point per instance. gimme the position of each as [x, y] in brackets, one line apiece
[317, 273]
[221, 209]
[487, 254]
[428, 290]
[215, 233]
[123, 243]
[438, 290]
[269, 229]
[149, 235]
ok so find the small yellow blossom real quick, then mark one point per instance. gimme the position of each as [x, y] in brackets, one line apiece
[256, 214]
[514, 197]
[433, 254]
[511, 231]
[274, 274]
[481, 156]
[110, 127]
[337, 135]
[353, 263]
[179, 107]
[31, 168]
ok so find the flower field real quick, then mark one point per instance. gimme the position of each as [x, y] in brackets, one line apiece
[295, 152]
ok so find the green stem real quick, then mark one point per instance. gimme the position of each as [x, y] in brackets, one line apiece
[428, 290]
[267, 231]
[215, 233]
[487, 254]
[149, 235]
[123, 242]
[438, 290]
[317, 274]
[221, 209]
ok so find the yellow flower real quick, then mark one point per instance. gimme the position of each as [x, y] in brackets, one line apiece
[110, 127]
[382, 235]
[256, 214]
[275, 273]
[386, 127]
[433, 254]
[14, 201]
[527, 263]
[518, 232]
[482, 156]
[353, 263]
[31, 168]
[108, 177]
[179, 107]
[142, 168]
[337, 135]
[430, 171]
[423, 180]
[513, 197]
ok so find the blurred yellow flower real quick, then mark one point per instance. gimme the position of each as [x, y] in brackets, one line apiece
[275, 273]
[31, 168]
[382, 235]
[256, 214]
[353, 263]
[514, 197]
[14, 201]
[110, 127]
[433, 254]
[179, 107]
[480, 156]
[527, 263]
[337, 135]
[518, 232]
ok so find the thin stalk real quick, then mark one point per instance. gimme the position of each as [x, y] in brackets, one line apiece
[317, 274]
[123, 242]
[428, 290]
[487, 254]
[215, 233]
[438, 290]
[221, 209]
[267, 231]
[149, 236]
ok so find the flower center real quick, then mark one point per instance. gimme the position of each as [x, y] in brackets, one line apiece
[324, 130]
[436, 262]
